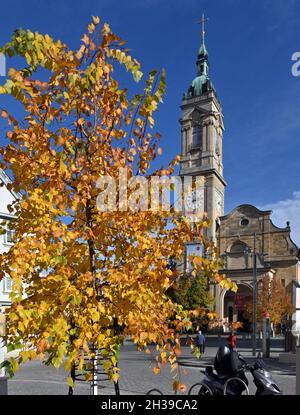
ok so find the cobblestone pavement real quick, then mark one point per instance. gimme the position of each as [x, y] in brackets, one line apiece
[137, 376]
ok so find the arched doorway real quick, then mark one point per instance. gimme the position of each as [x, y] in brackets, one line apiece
[235, 306]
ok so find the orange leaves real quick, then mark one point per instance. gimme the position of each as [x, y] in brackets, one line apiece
[4, 114]
[178, 387]
[106, 29]
[80, 121]
[86, 39]
[91, 28]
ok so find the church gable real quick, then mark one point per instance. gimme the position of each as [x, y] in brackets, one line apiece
[245, 220]
[194, 114]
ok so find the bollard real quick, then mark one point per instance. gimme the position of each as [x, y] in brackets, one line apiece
[2, 371]
[3, 385]
[266, 332]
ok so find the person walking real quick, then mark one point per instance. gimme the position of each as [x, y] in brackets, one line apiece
[201, 342]
[232, 341]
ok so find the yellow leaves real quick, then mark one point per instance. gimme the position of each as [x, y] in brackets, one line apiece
[227, 284]
[78, 343]
[96, 20]
[156, 370]
[106, 29]
[14, 364]
[107, 365]
[151, 121]
[143, 336]
[70, 382]
[115, 377]
[95, 315]
[131, 64]
[91, 28]
[89, 291]
[25, 355]
[80, 121]
[86, 39]
[62, 166]
[212, 315]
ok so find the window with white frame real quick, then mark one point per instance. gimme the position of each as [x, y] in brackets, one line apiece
[7, 284]
[9, 237]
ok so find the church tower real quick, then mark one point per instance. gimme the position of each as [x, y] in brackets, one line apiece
[201, 139]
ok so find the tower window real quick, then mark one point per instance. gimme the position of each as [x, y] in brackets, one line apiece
[217, 147]
[197, 136]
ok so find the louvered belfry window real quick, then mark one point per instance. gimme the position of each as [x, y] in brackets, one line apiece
[197, 136]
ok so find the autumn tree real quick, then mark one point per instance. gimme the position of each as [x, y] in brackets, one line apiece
[272, 298]
[191, 292]
[77, 269]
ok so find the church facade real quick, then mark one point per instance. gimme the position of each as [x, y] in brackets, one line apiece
[247, 240]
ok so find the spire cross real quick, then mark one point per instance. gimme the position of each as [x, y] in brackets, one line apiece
[202, 22]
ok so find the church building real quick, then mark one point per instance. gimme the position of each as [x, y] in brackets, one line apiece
[246, 238]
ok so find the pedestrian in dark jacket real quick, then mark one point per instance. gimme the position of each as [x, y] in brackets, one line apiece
[201, 342]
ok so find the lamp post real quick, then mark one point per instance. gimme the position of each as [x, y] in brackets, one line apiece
[254, 297]
[254, 311]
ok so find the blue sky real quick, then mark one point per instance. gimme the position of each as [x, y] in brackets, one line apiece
[250, 44]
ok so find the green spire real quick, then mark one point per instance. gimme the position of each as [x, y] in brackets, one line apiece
[201, 83]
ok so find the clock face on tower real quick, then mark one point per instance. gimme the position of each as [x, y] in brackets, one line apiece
[195, 200]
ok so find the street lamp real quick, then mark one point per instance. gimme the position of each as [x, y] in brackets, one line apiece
[254, 311]
[254, 297]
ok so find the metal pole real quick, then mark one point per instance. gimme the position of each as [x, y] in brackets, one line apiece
[254, 297]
